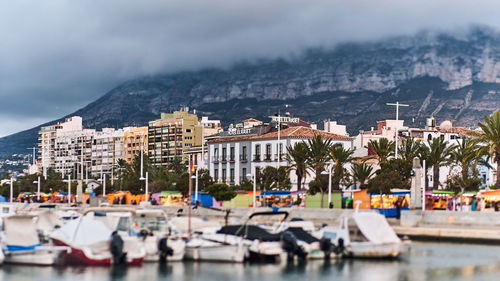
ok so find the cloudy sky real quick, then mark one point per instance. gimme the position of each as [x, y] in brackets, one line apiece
[56, 56]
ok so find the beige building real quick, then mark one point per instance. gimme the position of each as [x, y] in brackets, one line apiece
[171, 135]
[134, 139]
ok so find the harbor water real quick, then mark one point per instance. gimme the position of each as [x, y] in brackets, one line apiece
[424, 261]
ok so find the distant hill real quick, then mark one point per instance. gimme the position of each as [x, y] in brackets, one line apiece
[449, 76]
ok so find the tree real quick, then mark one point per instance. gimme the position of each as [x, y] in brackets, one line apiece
[221, 192]
[267, 177]
[318, 154]
[490, 138]
[409, 149]
[383, 149]
[246, 184]
[384, 181]
[439, 155]
[122, 167]
[204, 179]
[283, 178]
[297, 159]
[460, 183]
[319, 184]
[362, 173]
[340, 157]
[402, 167]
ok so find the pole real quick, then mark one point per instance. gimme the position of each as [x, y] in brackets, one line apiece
[196, 187]
[330, 185]
[423, 187]
[397, 104]
[189, 199]
[11, 189]
[142, 157]
[254, 186]
[146, 193]
[104, 185]
[81, 162]
[38, 191]
[69, 189]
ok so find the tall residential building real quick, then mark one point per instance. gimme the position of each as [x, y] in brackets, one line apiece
[171, 135]
[107, 148]
[67, 147]
[134, 139]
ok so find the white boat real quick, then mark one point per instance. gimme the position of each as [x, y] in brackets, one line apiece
[365, 235]
[21, 244]
[102, 236]
[158, 236]
[203, 249]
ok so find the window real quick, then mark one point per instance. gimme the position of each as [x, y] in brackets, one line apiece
[216, 153]
[188, 130]
[244, 153]
[224, 153]
[223, 174]
[216, 174]
[244, 173]
[231, 153]
[268, 151]
[257, 152]
[231, 175]
[188, 138]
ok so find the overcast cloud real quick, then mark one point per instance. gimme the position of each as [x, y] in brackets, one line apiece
[56, 56]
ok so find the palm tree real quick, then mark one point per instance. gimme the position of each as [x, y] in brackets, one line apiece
[340, 157]
[122, 166]
[490, 137]
[383, 148]
[439, 155]
[409, 149]
[318, 154]
[297, 160]
[362, 173]
[465, 156]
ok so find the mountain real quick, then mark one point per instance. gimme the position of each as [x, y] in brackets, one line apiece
[452, 76]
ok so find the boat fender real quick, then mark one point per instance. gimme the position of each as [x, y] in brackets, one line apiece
[116, 249]
[143, 233]
[164, 249]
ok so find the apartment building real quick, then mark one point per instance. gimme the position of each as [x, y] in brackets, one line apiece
[171, 135]
[134, 139]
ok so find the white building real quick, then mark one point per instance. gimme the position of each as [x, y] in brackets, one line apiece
[242, 151]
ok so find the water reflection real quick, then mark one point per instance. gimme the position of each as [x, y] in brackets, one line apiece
[425, 261]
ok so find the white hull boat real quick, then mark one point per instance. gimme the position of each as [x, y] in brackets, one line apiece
[199, 249]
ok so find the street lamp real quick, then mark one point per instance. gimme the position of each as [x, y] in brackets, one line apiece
[69, 188]
[254, 186]
[397, 105]
[11, 189]
[329, 173]
[103, 181]
[38, 182]
[146, 187]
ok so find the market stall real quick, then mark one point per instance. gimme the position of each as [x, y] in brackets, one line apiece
[387, 204]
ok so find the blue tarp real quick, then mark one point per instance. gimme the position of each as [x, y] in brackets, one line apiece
[204, 198]
[3, 199]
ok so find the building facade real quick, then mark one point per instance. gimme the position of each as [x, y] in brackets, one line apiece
[134, 139]
[171, 135]
[236, 155]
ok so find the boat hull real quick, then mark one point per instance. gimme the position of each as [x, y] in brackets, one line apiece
[370, 250]
[217, 253]
[83, 256]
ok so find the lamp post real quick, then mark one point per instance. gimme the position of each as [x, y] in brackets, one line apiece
[329, 173]
[397, 105]
[196, 185]
[38, 182]
[254, 187]
[146, 186]
[103, 181]
[69, 188]
[11, 189]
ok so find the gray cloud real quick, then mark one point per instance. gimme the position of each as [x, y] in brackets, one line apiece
[58, 55]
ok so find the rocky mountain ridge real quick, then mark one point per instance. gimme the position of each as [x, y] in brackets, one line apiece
[449, 76]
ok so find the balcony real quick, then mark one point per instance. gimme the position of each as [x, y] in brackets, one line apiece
[224, 159]
[216, 160]
[243, 158]
[267, 157]
[256, 158]
[231, 159]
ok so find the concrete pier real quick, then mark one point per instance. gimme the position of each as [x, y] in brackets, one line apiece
[447, 225]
